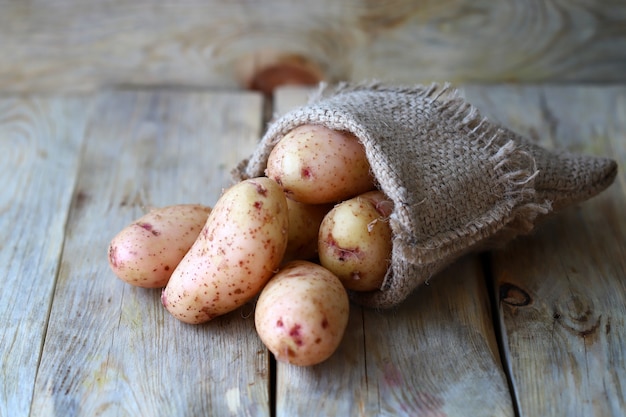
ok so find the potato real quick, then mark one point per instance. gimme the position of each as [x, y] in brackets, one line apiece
[317, 165]
[355, 241]
[302, 314]
[304, 225]
[146, 252]
[238, 250]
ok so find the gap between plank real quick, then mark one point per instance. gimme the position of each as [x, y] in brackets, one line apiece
[272, 383]
[486, 264]
[267, 113]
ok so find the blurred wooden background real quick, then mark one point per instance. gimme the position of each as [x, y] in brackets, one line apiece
[108, 107]
[78, 45]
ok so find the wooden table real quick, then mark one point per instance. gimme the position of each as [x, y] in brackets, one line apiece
[535, 329]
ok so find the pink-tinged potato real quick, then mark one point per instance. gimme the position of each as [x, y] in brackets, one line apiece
[238, 250]
[317, 165]
[304, 225]
[355, 241]
[146, 252]
[302, 314]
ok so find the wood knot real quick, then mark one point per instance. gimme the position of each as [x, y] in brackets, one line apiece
[267, 70]
[577, 315]
[513, 295]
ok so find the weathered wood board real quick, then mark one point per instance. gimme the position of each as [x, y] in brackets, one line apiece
[111, 349]
[76, 341]
[562, 292]
[40, 143]
[82, 45]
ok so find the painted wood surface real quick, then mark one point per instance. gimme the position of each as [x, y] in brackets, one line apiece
[435, 355]
[82, 45]
[78, 342]
[562, 292]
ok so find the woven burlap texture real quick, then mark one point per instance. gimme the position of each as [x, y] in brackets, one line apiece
[459, 182]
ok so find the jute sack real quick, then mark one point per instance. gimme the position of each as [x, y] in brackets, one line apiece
[459, 182]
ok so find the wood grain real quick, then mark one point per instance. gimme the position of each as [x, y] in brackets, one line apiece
[110, 348]
[75, 340]
[40, 142]
[562, 291]
[78, 45]
[435, 355]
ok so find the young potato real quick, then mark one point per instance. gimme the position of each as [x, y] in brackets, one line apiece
[355, 241]
[317, 165]
[146, 252]
[304, 225]
[239, 248]
[302, 314]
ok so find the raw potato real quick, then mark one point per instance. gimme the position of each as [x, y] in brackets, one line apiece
[304, 225]
[317, 165]
[237, 252]
[146, 252]
[355, 241]
[302, 314]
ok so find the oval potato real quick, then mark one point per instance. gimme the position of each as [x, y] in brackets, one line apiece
[302, 314]
[316, 165]
[355, 241]
[237, 252]
[146, 252]
[304, 225]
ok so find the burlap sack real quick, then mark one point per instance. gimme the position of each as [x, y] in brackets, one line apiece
[459, 182]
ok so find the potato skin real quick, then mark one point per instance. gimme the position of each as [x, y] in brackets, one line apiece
[304, 225]
[317, 165]
[146, 252]
[302, 314]
[355, 241]
[238, 250]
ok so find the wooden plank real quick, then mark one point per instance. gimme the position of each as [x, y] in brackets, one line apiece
[437, 355]
[338, 385]
[40, 142]
[562, 291]
[434, 355]
[112, 349]
[78, 45]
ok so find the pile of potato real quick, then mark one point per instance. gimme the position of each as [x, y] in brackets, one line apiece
[314, 227]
